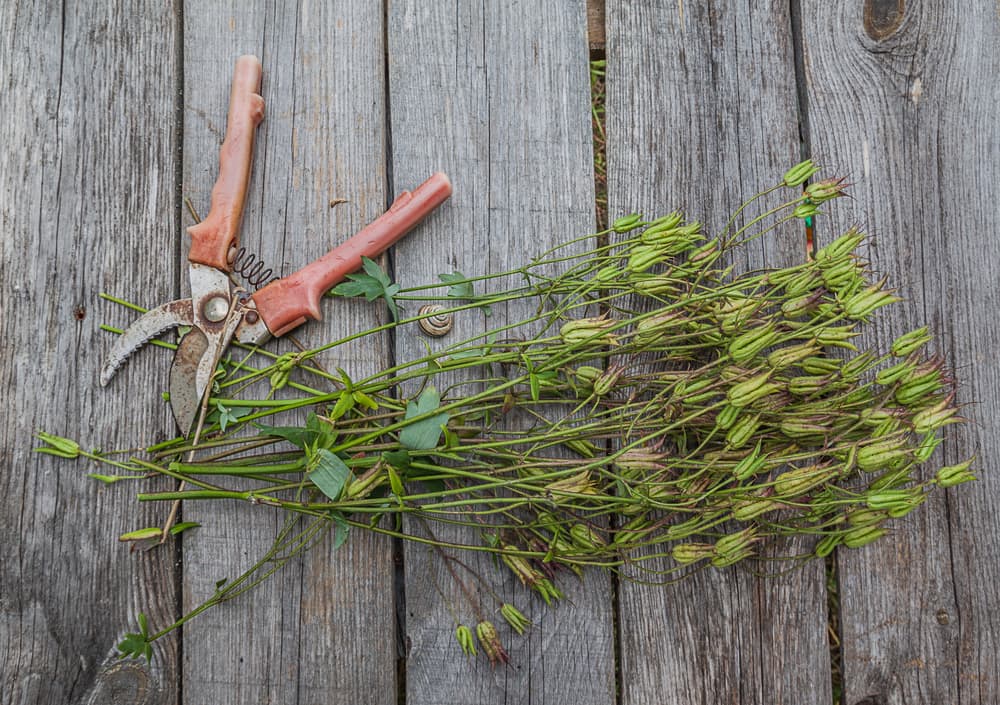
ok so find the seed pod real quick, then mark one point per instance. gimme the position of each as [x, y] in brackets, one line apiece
[745, 393]
[928, 445]
[792, 354]
[934, 417]
[626, 223]
[800, 173]
[800, 305]
[604, 384]
[753, 509]
[857, 365]
[580, 483]
[686, 553]
[585, 537]
[952, 475]
[862, 536]
[643, 257]
[806, 385]
[805, 282]
[750, 465]
[825, 190]
[879, 454]
[749, 344]
[515, 618]
[655, 285]
[464, 637]
[592, 330]
[727, 417]
[742, 431]
[909, 343]
[733, 548]
[806, 210]
[842, 246]
[586, 375]
[820, 365]
[794, 428]
[864, 303]
[637, 460]
[900, 370]
[826, 545]
[488, 639]
[666, 222]
[838, 337]
[652, 329]
[798, 481]
[866, 517]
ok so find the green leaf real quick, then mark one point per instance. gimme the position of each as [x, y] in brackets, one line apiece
[135, 645]
[299, 436]
[183, 526]
[461, 287]
[150, 532]
[226, 416]
[372, 283]
[329, 474]
[399, 459]
[423, 434]
[340, 535]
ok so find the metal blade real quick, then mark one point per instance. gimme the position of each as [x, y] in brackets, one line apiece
[185, 392]
[150, 325]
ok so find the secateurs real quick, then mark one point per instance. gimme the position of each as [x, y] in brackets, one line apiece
[218, 310]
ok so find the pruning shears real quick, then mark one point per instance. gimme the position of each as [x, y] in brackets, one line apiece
[220, 310]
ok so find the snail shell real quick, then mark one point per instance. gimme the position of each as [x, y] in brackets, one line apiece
[438, 324]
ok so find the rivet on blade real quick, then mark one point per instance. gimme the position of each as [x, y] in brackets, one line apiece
[216, 309]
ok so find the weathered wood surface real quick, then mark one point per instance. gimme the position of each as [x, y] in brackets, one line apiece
[702, 114]
[904, 100]
[497, 95]
[312, 633]
[86, 204]
[105, 108]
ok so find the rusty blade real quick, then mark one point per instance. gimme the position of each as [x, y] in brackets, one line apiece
[185, 395]
[150, 325]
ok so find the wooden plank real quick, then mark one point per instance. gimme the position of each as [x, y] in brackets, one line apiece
[319, 631]
[86, 203]
[701, 114]
[903, 100]
[496, 94]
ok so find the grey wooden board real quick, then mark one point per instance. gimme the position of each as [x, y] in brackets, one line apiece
[320, 630]
[496, 95]
[86, 205]
[905, 103]
[702, 114]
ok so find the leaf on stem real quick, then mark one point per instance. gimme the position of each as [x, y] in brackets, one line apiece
[329, 473]
[373, 283]
[423, 434]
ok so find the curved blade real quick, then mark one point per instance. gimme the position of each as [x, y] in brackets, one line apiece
[185, 390]
[150, 325]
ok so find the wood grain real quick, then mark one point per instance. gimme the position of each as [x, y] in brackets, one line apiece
[86, 203]
[321, 630]
[702, 114]
[902, 98]
[496, 94]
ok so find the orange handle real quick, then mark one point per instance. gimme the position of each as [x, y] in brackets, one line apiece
[212, 238]
[289, 302]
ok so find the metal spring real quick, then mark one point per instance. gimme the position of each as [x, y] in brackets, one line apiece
[252, 268]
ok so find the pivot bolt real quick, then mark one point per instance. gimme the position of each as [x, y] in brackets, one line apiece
[216, 309]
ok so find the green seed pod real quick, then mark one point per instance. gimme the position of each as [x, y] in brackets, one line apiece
[586, 375]
[804, 283]
[803, 429]
[800, 173]
[651, 330]
[706, 254]
[515, 618]
[862, 536]
[655, 284]
[637, 460]
[880, 454]
[820, 365]
[745, 393]
[826, 545]
[686, 553]
[608, 273]
[750, 465]
[866, 517]
[890, 499]
[753, 509]
[857, 365]
[490, 641]
[838, 337]
[798, 481]
[928, 444]
[909, 343]
[800, 305]
[754, 341]
[825, 190]
[742, 430]
[665, 222]
[363, 485]
[465, 640]
[604, 384]
[626, 223]
[643, 257]
[585, 537]
[952, 475]
[934, 417]
[727, 417]
[806, 210]
[733, 548]
[900, 370]
[844, 245]
[58, 446]
[807, 385]
[864, 303]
